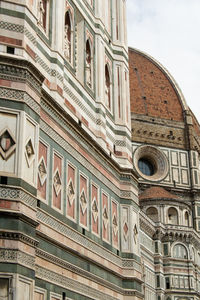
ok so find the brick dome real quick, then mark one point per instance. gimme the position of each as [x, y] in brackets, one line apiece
[153, 92]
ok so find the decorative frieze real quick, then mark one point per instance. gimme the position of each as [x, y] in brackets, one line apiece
[73, 285]
[18, 257]
[15, 73]
[18, 236]
[9, 193]
[12, 27]
[20, 96]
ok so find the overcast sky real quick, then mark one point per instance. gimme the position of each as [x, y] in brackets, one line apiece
[169, 30]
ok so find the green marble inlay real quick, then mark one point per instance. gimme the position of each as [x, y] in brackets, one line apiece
[17, 269]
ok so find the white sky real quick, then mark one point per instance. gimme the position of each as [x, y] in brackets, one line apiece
[169, 30]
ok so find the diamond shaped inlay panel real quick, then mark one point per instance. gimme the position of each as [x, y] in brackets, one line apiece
[125, 230]
[42, 171]
[135, 233]
[70, 192]
[29, 152]
[57, 184]
[105, 217]
[7, 143]
[95, 210]
[115, 225]
[83, 202]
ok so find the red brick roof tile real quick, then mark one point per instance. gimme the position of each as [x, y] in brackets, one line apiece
[156, 192]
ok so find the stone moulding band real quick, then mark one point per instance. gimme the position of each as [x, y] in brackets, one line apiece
[53, 259]
[76, 286]
[78, 238]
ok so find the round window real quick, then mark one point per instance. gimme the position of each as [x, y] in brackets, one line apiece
[146, 167]
[150, 163]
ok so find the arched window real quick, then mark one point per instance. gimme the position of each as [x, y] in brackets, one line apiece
[107, 87]
[152, 213]
[172, 216]
[186, 219]
[88, 64]
[180, 251]
[68, 36]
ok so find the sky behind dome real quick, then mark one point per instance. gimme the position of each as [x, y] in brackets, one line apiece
[169, 30]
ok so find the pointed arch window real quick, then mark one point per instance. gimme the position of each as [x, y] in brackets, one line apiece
[88, 63]
[68, 36]
[107, 86]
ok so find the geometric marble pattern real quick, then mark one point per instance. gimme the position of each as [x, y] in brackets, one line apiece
[29, 152]
[125, 231]
[83, 201]
[57, 182]
[70, 192]
[115, 224]
[7, 143]
[105, 217]
[42, 171]
[95, 211]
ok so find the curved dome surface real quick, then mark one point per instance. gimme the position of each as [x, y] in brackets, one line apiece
[157, 192]
[153, 91]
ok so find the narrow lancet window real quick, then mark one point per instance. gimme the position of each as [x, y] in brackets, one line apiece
[107, 87]
[88, 64]
[68, 36]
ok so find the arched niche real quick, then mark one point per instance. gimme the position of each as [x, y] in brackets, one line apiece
[180, 251]
[186, 219]
[172, 216]
[152, 213]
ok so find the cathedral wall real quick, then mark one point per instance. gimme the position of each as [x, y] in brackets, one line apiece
[71, 209]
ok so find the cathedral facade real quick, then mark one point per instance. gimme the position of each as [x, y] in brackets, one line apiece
[99, 160]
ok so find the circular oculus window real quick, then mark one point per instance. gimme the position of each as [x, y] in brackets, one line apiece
[150, 163]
